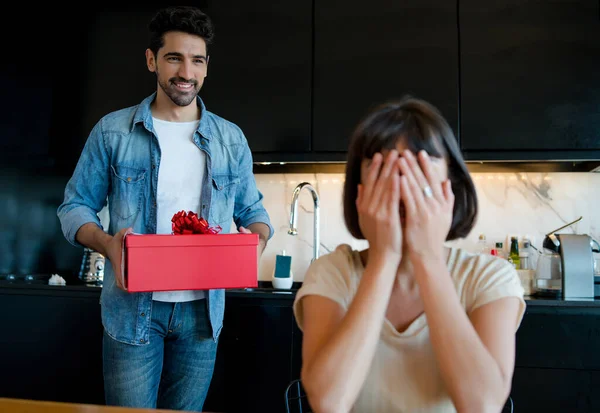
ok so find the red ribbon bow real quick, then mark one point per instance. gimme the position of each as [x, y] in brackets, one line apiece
[189, 223]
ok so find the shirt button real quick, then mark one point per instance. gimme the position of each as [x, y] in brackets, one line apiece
[153, 166]
[141, 340]
[128, 179]
[203, 141]
[143, 314]
[170, 331]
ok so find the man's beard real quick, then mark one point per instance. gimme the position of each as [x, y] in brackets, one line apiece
[176, 96]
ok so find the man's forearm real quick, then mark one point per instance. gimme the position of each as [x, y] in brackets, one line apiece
[92, 236]
[263, 232]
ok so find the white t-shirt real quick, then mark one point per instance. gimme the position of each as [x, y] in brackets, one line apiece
[404, 376]
[182, 167]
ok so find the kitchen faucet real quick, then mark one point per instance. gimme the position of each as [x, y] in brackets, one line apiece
[293, 216]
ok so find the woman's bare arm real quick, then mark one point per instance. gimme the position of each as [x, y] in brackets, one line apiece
[338, 347]
[475, 353]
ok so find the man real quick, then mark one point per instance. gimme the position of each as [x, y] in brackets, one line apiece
[152, 160]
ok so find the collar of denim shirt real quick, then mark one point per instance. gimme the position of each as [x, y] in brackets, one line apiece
[143, 115]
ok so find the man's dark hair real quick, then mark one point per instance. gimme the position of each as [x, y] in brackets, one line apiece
[186, 19]
[418, 125]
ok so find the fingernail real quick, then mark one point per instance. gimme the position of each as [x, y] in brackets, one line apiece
[424, 153]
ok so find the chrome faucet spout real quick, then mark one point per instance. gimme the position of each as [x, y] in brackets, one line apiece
[294, 215]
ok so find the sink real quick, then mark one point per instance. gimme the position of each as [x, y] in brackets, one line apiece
[257, 289]
[261, 290]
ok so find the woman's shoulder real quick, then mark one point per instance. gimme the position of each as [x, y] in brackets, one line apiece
[338, 269]
[332, 275]
[468, 263]
[342, 260]
[479, 276]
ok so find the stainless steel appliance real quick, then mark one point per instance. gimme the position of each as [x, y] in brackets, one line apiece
[578, 265]
[566, 267]
[576, 269]
[92, 267]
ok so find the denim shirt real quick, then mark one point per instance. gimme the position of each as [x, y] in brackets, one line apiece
[119, 165]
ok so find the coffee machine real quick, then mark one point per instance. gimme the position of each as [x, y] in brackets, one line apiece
[577, 262]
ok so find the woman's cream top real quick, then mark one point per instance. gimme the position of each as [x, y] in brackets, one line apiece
[404, 376]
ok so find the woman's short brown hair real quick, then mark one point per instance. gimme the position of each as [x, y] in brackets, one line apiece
[419, 125]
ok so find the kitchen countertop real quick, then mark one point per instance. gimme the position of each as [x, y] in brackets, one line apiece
[263, 291]
[561, 302]
[38, 288]
[77, 287]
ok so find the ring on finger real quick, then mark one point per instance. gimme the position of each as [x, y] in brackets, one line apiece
[427, 192]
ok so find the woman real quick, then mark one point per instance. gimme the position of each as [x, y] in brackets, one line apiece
[408, 325]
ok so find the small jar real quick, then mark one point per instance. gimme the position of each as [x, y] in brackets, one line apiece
[500, 250]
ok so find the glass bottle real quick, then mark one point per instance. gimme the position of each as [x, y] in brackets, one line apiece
[514, 252]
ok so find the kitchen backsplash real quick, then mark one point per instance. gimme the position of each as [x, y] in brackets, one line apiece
[525, 204]
[522, 204]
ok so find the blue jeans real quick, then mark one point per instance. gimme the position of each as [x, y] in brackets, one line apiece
[172, 371]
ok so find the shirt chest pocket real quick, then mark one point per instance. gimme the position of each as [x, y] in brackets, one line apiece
[127, 190]
[224, 189]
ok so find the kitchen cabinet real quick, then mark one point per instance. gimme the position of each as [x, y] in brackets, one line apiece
[557, 362]
[368, 53]
[42, 139]
[256, 356]
[570, 337]
[518, 78]
[259, 73]
[51, 345]
[530, 87]
[295, 76]
[51, 348]
[553, 390]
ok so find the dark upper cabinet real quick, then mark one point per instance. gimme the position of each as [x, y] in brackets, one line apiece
[530, 79]
[368, 53]
[298, 76]
[259, 73]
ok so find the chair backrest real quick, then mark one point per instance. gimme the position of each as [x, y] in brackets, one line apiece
[295, 398]
[509, 406]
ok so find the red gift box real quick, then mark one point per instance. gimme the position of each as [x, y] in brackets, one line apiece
[169, 262]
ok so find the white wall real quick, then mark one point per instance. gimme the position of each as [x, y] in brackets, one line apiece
[510, 204]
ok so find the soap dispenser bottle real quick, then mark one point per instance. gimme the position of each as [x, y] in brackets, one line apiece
[283, 278]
